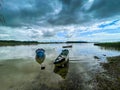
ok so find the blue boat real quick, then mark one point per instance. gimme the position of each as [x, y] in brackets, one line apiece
[40, 55]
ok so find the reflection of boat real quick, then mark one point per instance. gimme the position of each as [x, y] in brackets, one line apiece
[62, 71]
[68, 46]
[40, 55]
[62, 58]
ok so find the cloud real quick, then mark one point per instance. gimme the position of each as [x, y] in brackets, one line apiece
[59, 19]
[57, 12]
[82, 11]
[105, 8]
[19, 12]
[60, 33]
[106, 36]
[108, 24]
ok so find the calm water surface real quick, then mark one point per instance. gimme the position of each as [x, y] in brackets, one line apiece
[20, 71]
[78, 50]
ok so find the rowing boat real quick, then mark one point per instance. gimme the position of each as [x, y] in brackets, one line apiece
[68, 46]
[40, 55]
[62, 58]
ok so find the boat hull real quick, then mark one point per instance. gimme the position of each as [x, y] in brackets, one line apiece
[62, 58]
[39, 60]
[69, 46]
[40, 55]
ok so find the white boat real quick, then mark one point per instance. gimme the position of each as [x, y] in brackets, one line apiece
[68, 46]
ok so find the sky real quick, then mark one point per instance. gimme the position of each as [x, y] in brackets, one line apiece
[60, 20]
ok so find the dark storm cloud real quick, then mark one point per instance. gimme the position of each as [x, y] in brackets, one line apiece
[79, 11]
[105, 8]
[69, 12]
[23, 12]
[18, 12]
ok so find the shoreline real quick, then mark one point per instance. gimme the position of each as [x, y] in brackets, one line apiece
[16, 43]
[110, 78]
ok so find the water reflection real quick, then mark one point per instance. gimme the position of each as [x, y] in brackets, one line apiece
[62, 70]
[109, 48]
[20, 71]
[17, 52]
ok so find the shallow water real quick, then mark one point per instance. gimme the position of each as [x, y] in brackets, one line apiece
[20, 71]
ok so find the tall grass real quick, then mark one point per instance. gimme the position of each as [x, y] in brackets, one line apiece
[109, 45]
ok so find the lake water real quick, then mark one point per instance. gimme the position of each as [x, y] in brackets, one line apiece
[20, 71]
[52, 50]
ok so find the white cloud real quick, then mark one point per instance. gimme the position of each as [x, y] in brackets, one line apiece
[72, 32]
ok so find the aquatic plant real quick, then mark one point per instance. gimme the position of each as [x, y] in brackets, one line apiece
[109, 45]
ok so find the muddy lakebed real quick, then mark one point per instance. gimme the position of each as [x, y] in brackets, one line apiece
[87, 68]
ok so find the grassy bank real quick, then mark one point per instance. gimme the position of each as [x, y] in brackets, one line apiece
[110, 79]
[109, 45]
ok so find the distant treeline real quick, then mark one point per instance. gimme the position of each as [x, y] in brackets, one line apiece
[51, 42]
[13, 43]
[76, 42]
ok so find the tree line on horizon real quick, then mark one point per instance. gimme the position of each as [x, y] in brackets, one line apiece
[14, 43]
